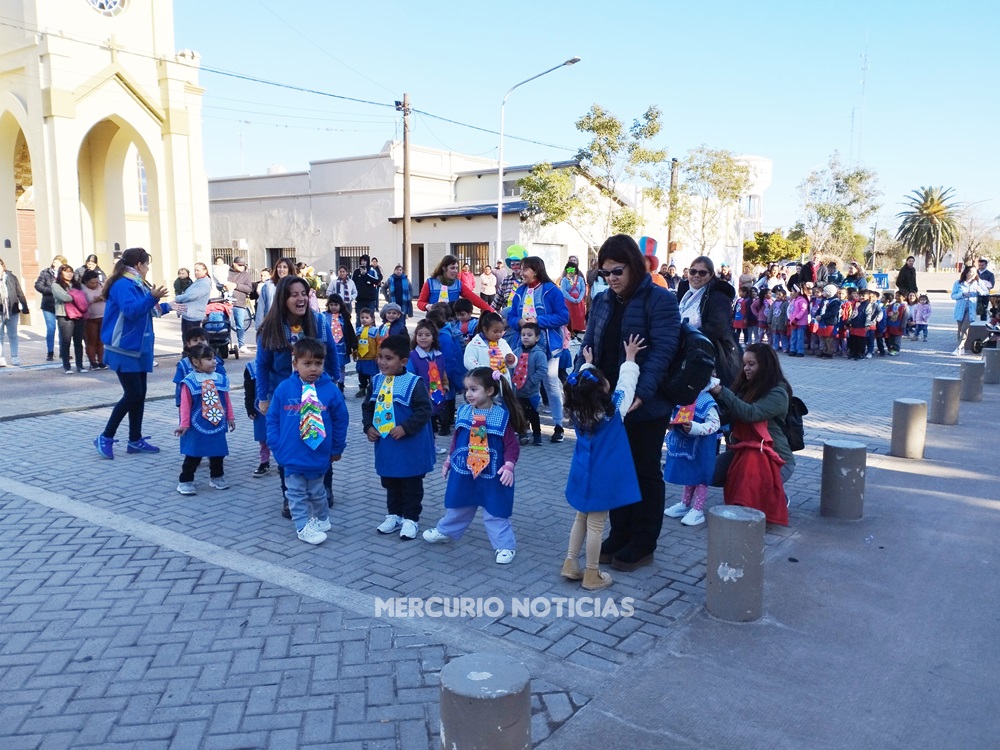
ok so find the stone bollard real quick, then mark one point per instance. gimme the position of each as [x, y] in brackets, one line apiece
[909, 428]
[944, 400]
[842, 493]
[734, 589]
[972, 380]
[485, 704]
[992, 359]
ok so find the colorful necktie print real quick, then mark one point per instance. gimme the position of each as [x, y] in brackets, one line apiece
[436, 388]
[443, 294]
[311, 427]
[496, 358]
[528, 311]
[385, 418]
[478, 457]
[363, 341]
[337, 328]
[296, 334]
[211, 406]
[521, 371]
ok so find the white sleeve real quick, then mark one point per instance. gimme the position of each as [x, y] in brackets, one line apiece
[710, 426]
[628, 378]
[505, 347]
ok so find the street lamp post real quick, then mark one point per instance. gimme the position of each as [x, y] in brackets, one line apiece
[571, 61]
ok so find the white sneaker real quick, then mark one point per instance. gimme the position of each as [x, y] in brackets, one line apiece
[390, 524]
[409, 530]
[3, 362]
[322, 524]
[435, 537]
[15, 361]
[957, 352]
[440, 451]
[218, 483]
[505, 556]
[676, 510]
[311, 534]
[244, 349]
[187, 488]
[693, 518]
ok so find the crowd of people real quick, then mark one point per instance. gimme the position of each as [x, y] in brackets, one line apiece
[488, 382]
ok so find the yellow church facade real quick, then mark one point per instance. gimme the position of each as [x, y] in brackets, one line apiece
[100, 137]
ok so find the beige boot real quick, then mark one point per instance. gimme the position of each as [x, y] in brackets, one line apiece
[595, 579]
[571, 570]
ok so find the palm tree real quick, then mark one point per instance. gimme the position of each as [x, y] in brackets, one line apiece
[930, 225]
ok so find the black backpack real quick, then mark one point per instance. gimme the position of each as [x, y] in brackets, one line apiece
[794, 426]
[691, 367]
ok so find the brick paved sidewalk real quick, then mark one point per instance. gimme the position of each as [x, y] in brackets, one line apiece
[133, 615]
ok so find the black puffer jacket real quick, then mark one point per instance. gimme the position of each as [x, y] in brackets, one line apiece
[651, 312]
[43, 285]
[717, 325]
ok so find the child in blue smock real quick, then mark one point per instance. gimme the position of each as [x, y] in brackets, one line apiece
[691, 447]
[396, 418]
[192, 337]
[367, 351]
[345, 341]
[453, 352]
[427, 361]
[259, 421]
[206, 415]
[484, 451]
[601, 443]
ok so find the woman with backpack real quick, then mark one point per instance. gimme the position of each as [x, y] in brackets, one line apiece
[759, 459]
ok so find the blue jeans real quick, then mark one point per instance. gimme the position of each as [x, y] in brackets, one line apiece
[241, 321]
[798, 340]
[554, 388]
[50, 330]
[8, 329]
[918, 330]
[306, 498]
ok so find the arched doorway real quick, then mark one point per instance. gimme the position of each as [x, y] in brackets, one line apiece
[17, 210]
[118, 194]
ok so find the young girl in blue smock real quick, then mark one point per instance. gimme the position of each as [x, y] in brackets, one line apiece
[601, 442]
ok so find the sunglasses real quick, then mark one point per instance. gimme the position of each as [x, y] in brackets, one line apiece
[699, 272]
[613, 272]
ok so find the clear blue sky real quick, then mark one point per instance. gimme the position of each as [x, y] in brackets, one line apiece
[775, 79]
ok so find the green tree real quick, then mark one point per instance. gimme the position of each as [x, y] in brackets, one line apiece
[766, 247]
[834, 199]
[930, 225]
[714, 181]
[614, 153]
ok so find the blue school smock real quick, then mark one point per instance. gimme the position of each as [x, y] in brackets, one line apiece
[434, 291]
[343, 357]
[690, 458]
[204, 439]
[453, 352]
[485, 490]
[602, 474]
[185, 368]
[419, 364]
[411, 456]
[367, 367]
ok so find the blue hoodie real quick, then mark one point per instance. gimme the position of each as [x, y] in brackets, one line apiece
[283, 427]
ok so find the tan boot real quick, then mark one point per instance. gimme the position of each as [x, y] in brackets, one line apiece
[595, 579]
[571, 570]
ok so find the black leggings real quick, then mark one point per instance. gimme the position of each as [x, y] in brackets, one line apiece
[191, 463]
[70, 331]
[132, 403]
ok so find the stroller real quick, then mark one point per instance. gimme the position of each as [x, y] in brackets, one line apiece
[992, 328]
[219, 326]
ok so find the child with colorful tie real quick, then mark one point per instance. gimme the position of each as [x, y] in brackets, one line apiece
[396, 417]
[307, 431]
[338, 317]
[206, 415]
[529, 375]
[427, 361]
[484, 451]
[488, 348]
[367, 350]
[464, 321]
[453, 352]
[192, 337]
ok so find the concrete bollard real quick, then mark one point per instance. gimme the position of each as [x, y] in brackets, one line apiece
[909, 428]
[972, 380]
[842, 494]
[734, 589]
[485, 704]
[944, 400]
[992, 359]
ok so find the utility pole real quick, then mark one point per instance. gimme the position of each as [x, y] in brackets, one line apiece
[674, 181]
[404, 107]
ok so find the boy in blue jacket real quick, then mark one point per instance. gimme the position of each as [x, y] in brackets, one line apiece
[529, 375]
[307, 431]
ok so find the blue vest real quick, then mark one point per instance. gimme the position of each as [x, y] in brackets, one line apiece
[587, 486]
[691, 459]
[434, 291]
[204, 438]
[485, 490]
[412, 456]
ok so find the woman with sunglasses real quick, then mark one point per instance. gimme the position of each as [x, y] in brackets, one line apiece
[634, 306]
[706, 302]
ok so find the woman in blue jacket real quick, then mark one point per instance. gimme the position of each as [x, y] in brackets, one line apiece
[634, 306]
[540, 301]
[966, 292]
[288, 320]
[127, 333]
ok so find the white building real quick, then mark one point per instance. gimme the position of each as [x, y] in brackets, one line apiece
[342, 208]
[100, 125]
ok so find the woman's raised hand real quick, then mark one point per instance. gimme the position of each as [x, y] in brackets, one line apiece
[159, 292]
